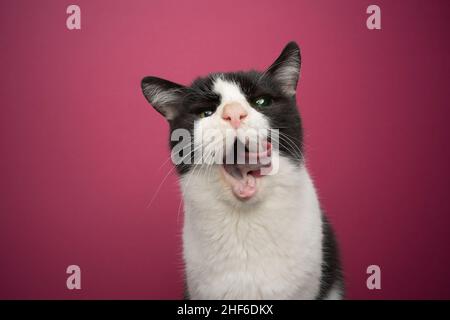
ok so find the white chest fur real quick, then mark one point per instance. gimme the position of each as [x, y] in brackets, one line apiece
[268, 248]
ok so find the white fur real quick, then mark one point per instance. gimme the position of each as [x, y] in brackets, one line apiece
[268, 247]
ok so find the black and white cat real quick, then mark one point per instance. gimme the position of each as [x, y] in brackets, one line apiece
[248, 235]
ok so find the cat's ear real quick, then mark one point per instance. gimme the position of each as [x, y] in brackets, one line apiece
[165, 96]
[286, 69]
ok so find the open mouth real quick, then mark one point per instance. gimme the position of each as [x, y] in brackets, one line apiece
[246, 167]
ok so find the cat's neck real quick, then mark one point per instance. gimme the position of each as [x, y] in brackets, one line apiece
[283, 195]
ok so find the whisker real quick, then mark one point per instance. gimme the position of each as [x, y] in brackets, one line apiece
[167, 175]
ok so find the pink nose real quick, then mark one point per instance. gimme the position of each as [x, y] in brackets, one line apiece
[235, 113]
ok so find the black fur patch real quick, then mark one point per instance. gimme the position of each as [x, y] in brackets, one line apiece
[331, 266]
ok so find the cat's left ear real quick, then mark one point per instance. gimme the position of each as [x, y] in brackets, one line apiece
[286, 69]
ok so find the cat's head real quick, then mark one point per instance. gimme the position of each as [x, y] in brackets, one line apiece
[241, 114]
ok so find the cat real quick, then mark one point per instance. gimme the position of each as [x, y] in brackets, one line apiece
[247, 235]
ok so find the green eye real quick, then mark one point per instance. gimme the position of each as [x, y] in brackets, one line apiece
[205, 114]
[262, 102]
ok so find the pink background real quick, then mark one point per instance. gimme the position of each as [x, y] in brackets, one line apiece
[81, 148]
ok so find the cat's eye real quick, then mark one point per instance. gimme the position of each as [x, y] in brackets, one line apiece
[262, 102]
[205, 114]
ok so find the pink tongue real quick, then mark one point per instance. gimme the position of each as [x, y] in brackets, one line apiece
[245, 187]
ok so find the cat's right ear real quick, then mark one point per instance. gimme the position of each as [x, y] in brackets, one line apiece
[165, 96]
